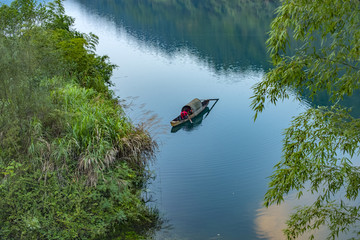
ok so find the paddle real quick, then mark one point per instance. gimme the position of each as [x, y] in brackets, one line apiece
[189, 118]
[216, 100]
[188, 115]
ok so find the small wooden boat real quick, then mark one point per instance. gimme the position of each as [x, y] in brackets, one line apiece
[194, 124]
[195, 107]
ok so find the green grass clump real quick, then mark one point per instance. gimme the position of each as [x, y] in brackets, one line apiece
[72, 165]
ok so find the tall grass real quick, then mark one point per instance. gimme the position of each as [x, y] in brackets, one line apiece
[70, 160]
[99, 132]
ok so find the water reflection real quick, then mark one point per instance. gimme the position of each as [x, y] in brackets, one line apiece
[214, 191]
[229, 35]
[271, 221]
[323, 99]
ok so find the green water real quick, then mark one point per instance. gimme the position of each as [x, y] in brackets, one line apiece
[210, 176]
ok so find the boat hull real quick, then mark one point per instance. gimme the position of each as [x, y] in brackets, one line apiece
[177, 121]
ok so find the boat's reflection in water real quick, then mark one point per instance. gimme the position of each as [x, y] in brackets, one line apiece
[196, 122]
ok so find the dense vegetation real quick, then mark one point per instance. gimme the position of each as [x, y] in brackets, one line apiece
[322, 146]
[71, 164]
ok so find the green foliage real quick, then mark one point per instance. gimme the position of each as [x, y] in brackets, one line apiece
[71, 164]
[50, 209]
[333, 66]
[321, 144]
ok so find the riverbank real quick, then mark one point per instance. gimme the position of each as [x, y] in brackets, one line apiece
[72, 165]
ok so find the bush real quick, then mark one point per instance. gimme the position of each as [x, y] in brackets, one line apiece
[71, 164]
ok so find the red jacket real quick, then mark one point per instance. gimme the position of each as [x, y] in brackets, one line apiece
[183, 114]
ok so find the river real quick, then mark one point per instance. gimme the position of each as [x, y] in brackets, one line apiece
[211, 176]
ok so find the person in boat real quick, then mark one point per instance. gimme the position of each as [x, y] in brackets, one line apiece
[184, 114]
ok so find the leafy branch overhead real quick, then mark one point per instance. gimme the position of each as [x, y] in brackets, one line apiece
[315, 47]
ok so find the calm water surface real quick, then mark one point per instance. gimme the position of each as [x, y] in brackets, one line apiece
[210, 177]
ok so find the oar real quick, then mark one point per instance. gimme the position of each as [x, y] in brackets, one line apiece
[216, 100]
[189, 118]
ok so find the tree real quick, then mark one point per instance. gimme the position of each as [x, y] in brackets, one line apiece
[315, 47]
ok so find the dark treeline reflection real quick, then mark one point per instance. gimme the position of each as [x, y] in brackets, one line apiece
[228, 35]
[323, 99]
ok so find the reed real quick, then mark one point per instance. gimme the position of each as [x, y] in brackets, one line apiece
[96, 135]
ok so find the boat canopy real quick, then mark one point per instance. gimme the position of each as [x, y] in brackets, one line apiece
[194, 105]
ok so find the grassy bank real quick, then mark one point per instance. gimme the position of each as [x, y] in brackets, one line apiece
[71, 164]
